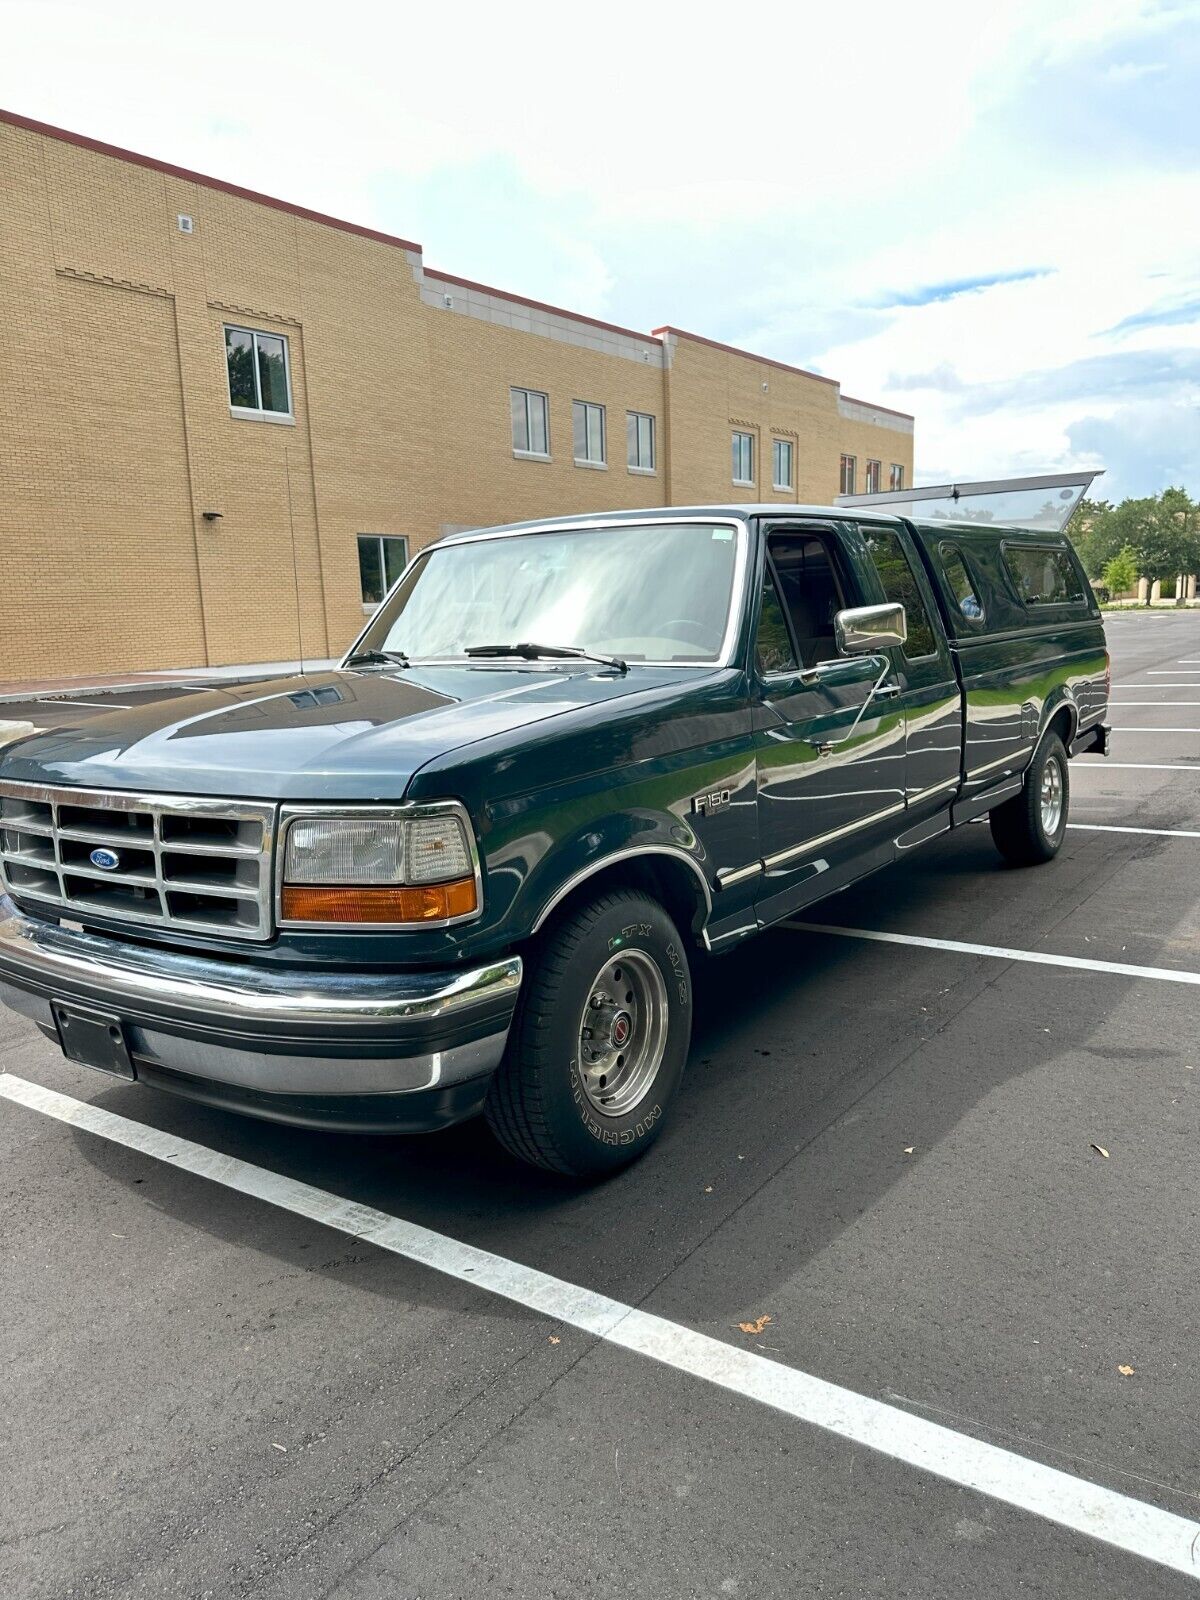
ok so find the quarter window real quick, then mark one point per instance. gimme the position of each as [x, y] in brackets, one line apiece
[962, 587]
[639, 439]
[589, 434]
[259, 376]
[849, 468]
[896, 476]
[781, 463]
[1044, 576]
[530, 422]
[743, 458]
[381, 560]
[900, 583]
[874, 477]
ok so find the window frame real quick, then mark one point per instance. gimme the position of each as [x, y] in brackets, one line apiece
[957, 552]
[777, 445]
[638, 417]
[587, 407]
[896, 477]
[380, 539]
[853, 464]
[827, 535]
[258, 413]
[928, 601]
[528, 394]
[742, 433]
[1081, 600]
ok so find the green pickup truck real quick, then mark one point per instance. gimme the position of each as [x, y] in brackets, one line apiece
[477, 867]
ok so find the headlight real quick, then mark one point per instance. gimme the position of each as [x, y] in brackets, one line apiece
[380, 869]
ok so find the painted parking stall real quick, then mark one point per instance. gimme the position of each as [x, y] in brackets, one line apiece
[939, 1150]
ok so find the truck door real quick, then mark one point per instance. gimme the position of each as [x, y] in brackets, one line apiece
[930, 695]
[830, 741]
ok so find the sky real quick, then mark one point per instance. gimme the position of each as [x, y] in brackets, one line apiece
[987, 215]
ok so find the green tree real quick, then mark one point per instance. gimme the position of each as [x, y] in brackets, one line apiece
[1096, 535]
[1121, 571]
[1164, 532]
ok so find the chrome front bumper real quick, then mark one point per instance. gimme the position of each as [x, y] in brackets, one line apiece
[351, 1049]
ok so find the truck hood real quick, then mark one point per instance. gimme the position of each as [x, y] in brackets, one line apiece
[340, 735]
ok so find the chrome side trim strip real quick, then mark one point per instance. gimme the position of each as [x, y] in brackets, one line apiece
[214, 992]
[1004, 761]
[727, 877]
[781, 857]
[935, 788]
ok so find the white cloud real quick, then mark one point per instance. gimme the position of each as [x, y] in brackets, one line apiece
[778, 179]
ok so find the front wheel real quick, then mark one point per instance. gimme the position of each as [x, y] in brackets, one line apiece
[1030, 827]
[600, 1039]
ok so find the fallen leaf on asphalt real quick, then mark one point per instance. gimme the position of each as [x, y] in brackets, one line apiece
[1126, 1372]
[756, 1326]
[1100, 1150]
[554, 1339]
[281, 1447]
[708, 1188]
[909, 1148]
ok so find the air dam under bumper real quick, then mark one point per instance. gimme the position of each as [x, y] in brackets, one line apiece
[362, 1051]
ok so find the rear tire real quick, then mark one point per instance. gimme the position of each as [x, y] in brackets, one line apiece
[599, 1042]
[1029, 829]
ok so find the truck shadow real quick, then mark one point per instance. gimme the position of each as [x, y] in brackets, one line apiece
[816, 1061]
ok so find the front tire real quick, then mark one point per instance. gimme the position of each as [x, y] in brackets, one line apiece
[600, 1039]
[1030, 828]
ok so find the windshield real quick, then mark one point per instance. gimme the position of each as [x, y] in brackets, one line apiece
[657, 592]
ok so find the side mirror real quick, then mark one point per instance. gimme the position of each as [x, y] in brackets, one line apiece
[864, 629]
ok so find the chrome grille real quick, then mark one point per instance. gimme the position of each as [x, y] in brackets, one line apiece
[194, 864]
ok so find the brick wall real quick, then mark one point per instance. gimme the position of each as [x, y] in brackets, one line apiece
[116, 434]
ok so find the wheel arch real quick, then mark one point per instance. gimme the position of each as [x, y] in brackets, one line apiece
[671, 876]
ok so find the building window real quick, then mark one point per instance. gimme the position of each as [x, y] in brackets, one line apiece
[874, 477]
[530, 423]
[259, 376]
[743, 458]
[381, 560]
[639, 439]
[896, 476]
[849, 466]
[589, 434]
[781, 463]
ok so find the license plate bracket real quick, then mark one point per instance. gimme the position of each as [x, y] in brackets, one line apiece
[93, 1039]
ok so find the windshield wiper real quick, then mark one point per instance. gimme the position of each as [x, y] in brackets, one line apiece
[383, 658]
[551, 652]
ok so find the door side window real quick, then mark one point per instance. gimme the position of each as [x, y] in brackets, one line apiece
[900, 583]
[810, 591]
[773, 646]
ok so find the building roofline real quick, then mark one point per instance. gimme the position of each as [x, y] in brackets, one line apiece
[747, 355]
[539, 305]
[187, 175]
[31, 125]
[875, 406]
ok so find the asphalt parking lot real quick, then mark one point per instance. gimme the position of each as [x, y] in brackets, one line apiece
[953, 1180]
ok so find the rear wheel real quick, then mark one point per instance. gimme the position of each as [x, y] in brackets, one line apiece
[1030, 827]
[600, 1039]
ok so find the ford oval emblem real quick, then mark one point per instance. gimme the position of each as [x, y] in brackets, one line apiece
[106, 860]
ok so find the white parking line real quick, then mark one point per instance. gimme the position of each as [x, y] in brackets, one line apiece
[1112, 827]
[1167, 703]
[1125, 969]
[1116, 1519]
[1154, 730]
[1168, 672]
[1140, 766]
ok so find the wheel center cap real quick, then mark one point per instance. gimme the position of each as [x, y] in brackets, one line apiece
[622, 1027]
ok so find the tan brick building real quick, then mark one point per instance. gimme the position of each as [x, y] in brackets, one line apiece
[218, 410]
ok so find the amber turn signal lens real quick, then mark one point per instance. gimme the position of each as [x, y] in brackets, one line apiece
[435, 902]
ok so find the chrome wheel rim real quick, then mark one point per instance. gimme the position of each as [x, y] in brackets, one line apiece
[1052, 795]
[622, 1032]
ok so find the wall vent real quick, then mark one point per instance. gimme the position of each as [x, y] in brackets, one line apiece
[186, 225]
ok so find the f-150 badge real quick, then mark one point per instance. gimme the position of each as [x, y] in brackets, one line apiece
[713, 800]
